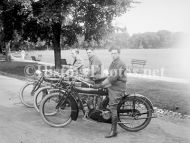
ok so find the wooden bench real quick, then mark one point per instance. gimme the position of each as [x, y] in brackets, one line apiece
[2, 57]
[63, 62]
[34, 58]
[137, 65]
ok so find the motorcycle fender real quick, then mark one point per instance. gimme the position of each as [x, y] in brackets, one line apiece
[144, 97]
[74, 108]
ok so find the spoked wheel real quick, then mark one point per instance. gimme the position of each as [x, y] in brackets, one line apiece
[59, 117]
[40, 94]
[134, 114]
[27, 94]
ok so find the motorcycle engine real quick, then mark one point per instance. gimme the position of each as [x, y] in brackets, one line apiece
[100, 115]
[106, 114]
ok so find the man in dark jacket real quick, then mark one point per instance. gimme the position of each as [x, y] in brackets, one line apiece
[116, 90]
[94, 64]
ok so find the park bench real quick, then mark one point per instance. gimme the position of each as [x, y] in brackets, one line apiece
[2, 57]
[137, 66]
[34, 58]
[65, 65]
[63, 62]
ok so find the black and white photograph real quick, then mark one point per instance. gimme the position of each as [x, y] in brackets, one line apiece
[94, 71]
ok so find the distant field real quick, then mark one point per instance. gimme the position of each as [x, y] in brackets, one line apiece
[173, 61]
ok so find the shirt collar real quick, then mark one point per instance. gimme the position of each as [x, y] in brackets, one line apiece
[116, 60]
[77, 57]
[92, 57]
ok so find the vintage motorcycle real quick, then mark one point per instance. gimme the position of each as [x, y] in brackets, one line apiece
[58, 109]
[28, 90]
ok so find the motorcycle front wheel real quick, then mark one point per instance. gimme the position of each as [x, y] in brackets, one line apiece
[40, 94]
[55, 117]
[134, 113]
[27, 93]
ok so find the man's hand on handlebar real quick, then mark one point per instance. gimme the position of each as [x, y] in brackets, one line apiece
[98, 86]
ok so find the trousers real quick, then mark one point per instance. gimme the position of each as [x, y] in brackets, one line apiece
[114, 98]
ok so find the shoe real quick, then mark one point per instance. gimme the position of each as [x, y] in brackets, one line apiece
[113, 132]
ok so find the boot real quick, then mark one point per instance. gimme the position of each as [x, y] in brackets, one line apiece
[113, 131]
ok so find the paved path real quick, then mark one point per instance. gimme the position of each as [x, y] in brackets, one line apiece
[19, 124]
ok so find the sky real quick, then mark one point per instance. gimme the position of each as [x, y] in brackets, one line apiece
[154, 15]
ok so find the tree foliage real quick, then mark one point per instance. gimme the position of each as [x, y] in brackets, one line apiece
[91, 18]
[53, 19]
[154, 40]
[12, 18]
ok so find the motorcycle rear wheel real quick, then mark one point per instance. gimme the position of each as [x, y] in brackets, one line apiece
[60, 117]
[131, 111]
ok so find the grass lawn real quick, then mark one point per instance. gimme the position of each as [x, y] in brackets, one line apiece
[165, 95]
[172, 96]
[173, 61]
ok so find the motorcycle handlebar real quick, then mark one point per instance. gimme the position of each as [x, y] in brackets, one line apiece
[85, 82]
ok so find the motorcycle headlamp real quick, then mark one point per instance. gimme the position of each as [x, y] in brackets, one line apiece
[38, 72]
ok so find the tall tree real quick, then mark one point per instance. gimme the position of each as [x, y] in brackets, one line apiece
[69, 18]
[165, 38]
[12, 16]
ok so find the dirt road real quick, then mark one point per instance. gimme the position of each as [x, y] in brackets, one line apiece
[19, 124]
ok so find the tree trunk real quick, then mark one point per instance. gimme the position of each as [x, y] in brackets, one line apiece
[7, 53]
[56, 27]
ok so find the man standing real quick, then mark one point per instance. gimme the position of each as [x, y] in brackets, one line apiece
[94, 64]
[78, 63]
[23, 54]
[118, 80]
